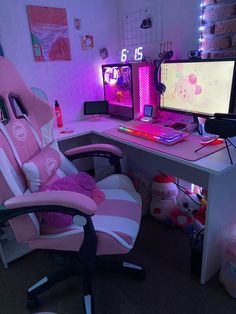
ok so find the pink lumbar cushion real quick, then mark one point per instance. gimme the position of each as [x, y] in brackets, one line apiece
[80, 183]
[43, 166]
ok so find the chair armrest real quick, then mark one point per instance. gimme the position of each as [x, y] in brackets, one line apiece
[111, 152]
[93, 148]
[74, 200]
[66, 202]
[71, 203]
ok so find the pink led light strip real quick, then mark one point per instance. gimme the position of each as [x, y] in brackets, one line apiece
[144, 87]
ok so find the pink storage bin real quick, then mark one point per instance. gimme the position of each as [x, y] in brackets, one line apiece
[227, 275]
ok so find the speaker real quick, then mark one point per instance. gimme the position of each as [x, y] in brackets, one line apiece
[224, 127]
[194, 54]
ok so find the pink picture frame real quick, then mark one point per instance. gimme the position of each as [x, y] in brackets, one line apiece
[49, 33]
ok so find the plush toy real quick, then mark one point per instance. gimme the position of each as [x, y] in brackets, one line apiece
[200, 215]
[80, 183]
[164, 192]
[190, 211]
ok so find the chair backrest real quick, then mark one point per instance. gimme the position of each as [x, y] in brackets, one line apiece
[26, 121]
[16, 98]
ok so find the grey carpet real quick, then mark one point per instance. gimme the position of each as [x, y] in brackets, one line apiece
[169, 288]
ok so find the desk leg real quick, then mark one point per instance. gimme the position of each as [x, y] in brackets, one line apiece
[221, 210]
[2, 256]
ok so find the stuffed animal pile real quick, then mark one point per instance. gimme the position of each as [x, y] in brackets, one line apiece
[190, 212]
[177, 207]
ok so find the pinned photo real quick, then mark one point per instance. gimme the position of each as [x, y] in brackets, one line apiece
[103, 53]
[77, 23]
[87, 42]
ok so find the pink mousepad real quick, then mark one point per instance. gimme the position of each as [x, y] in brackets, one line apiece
[184, 149]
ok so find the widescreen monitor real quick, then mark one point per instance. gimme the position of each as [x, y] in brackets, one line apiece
[198, 87]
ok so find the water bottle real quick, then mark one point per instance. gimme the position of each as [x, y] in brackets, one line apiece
[58, 115]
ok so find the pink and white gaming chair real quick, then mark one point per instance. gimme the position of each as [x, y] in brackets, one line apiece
[108, 228]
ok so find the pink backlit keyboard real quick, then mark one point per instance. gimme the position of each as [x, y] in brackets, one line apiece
[153, 132]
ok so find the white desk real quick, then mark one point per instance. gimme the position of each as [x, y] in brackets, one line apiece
[214, 172]
[85, 127]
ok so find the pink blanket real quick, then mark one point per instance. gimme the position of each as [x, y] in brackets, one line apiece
[80, 183]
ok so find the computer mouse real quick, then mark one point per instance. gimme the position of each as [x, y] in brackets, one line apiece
[213, 139]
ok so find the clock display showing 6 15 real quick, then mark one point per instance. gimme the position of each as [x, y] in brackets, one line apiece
[131, 54]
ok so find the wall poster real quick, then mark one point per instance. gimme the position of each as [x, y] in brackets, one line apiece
[49, 33]
[87, 42]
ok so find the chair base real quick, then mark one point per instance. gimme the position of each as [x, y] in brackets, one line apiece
[78, 268]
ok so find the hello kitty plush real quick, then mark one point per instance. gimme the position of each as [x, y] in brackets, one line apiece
[164, 193]
[187, 214]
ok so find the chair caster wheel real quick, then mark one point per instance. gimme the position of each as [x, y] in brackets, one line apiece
[32, 304]
[88, 304]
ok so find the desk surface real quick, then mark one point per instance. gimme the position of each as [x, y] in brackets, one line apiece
[216, 163]
[83, 127]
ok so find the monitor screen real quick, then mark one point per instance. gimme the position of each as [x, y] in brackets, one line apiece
[95, 107]
[198, 87]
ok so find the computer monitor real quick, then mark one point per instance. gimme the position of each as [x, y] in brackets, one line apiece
[95, 107]
[198, 87]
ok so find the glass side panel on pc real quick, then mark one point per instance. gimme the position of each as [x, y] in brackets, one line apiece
[198, 87]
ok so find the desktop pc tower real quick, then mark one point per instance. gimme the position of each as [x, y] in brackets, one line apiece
[128, 87]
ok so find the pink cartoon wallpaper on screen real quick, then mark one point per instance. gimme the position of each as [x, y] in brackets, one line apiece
[197, 87]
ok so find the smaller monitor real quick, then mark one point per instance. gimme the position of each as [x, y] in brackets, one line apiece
[95, 107]
[147, 111]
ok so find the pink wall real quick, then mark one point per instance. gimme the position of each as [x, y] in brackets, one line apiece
[71, 82]
[179, 23]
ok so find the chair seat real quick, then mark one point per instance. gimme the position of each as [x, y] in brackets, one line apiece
[116, 222]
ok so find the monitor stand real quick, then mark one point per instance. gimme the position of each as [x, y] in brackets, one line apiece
[146, 119]
[95, 117]
[199, 127]
[185, 126]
